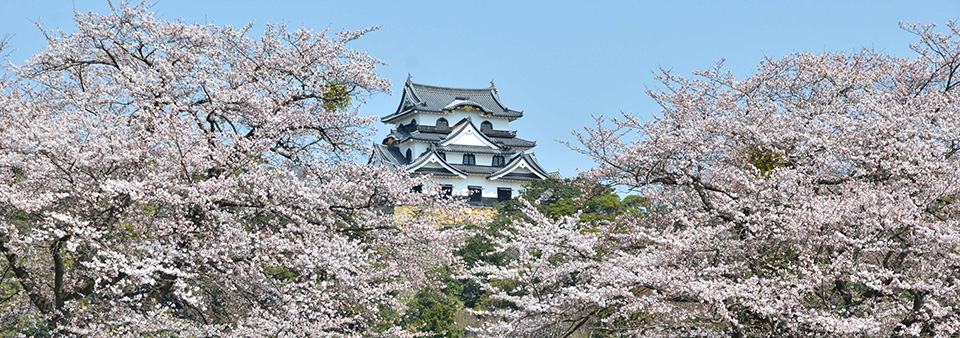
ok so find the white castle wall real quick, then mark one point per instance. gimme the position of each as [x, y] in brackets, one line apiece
[460, 186]
[430, 119]
[416, 148]
[489, 187]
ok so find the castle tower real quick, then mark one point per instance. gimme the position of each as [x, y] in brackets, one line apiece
[463, 138]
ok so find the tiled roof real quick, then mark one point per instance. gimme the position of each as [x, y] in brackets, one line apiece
[514, 162]
[417, 165]
[476, 169]
[388, 154]
[532, 159]
[461, 137]
[510, 142]
[514, 142]
[510, 175]
[435, 172]
[520, 177]
[402, 136]
[437, 99]
[473, 149]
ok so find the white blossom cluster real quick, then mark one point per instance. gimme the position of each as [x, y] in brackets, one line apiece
[162, 178]
[816, 198]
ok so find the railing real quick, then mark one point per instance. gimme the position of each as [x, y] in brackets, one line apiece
[435, 129]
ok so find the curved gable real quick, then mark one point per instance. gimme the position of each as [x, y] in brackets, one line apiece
[465, 133]
[523, 166]
[431, 160]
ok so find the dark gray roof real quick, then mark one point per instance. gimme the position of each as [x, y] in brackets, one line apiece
[388, 154]
[529, 158]
[437, 99]
[421, 160]
[510, 142]
[483, 169]
[520, 177]
[435, 171]
[402, 136]
[476, 169]
[532, 159]
[473, 149]
[513, 142]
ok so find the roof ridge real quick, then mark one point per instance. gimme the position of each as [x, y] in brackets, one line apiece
[431, 98]
[488, 89]
[408, 88]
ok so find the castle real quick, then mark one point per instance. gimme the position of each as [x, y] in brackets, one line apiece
[462, 138]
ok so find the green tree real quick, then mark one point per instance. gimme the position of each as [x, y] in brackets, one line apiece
[433, 312]
[565, 197]
[554, 198]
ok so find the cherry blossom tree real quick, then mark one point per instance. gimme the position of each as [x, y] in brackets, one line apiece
[817, 197]
[162, 178]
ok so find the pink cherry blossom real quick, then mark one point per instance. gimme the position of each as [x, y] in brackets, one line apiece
[166, 178]
[817, 197]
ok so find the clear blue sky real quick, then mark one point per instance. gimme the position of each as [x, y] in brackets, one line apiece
[558, 61]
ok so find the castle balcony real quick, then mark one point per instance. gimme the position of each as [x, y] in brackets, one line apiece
[446, 130]
[428, 129]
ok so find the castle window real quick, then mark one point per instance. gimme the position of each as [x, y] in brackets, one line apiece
[442, 122]
[476, 193]
[409, 155]
[504, 194]
[498, 161]
[486, 126]
[469, 159]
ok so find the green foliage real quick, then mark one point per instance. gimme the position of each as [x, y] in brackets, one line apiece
[777, 261]
[553, 190]
[765, 160]
[945, 207]
[611, 324]
[25, 326]
[566, 197]
[433, 312]
[281, 273]
[557, 198]
[560, 208]
[479, 248]
[336, 98]
[466, 291]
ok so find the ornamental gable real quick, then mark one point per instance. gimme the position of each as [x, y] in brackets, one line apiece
[466, 134]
